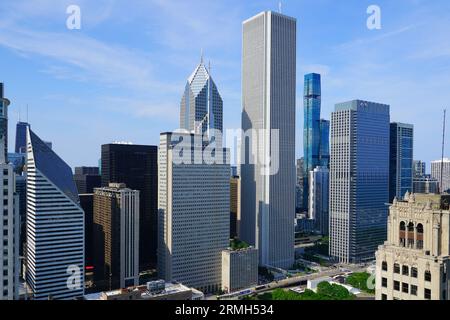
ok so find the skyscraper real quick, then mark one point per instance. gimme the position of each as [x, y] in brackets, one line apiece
[400, 160]
[324, 146]
[299, 187]
[194, 214]
[359, 179]
[201, 104]
[136, 166]
[268, 96]
[318, 198]
[9, 208]
[55, 225]
[116, 237]
[436, 173]
[419, 169]
[21, 137]
[311, 126]
[86, 179]
[235, 206]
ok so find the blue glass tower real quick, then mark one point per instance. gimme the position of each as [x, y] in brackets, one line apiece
[359, 179]
[311, 127]
[400, 160]
[324, 148]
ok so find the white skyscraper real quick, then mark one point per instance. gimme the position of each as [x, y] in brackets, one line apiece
[194, 213]
[9, 208]
[436, 174]
[318, 198]
[268, 117]
[55, 225]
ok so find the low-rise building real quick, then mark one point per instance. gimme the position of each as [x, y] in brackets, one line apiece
[414, 262]
[239, 269]
[155, 290]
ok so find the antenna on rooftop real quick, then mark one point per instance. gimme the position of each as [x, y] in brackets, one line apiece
[443, 150]
[201, 55]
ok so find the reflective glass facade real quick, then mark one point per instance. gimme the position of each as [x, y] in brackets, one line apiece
[359, 180]
[324, 150]
[400, 160]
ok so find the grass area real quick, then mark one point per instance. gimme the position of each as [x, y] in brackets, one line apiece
[237, 244]
[359, 280]
[325, 291]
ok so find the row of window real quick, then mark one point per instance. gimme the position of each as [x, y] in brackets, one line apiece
[405, 288]
[406, 271]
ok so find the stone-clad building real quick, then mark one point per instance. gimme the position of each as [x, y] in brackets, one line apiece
[414, 263]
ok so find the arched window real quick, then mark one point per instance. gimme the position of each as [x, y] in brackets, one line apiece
[384, 266]
[419, 230]
[410, 235]
[428, 276]
[402, 234]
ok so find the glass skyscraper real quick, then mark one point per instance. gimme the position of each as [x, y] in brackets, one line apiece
[359, 180]
[201, 104]
[401, 160]
[324, 146]
[21, 137]
[311, 127]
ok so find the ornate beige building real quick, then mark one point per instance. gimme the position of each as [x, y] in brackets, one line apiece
[414, 263]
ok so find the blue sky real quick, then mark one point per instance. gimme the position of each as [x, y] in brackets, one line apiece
[122, 75]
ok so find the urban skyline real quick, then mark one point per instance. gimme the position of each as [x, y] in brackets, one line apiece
[46, 77]
[176, 219]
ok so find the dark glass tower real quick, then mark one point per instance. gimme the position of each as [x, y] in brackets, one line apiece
[324, 148]
[401, 160]
[136, 166]
[21, 137]
[86, 179]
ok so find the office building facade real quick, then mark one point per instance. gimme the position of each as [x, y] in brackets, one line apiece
[116, 237]
[319, 199]
[136, 166]
[9, 208]
[55, 225]
[194, 214]
[401, 160]
[239, 269]
[359, 179]
[268, 95]
[413, 263]
[419, 169]
[87, 179]
[426, 184]
[201, 107]
[235, 207]
[436, 174]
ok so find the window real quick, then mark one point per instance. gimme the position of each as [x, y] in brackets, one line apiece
[428, 276]
[419, 236]
[396, 268]
[414, 272]
[405, 287]
[405, 270]
[402, 233]
[383, 297]
[396, 286]
[384, 266]
[414, 290]
[384, 282]
[427, 294]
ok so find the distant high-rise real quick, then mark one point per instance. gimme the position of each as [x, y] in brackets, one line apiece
[268, 97]
[136, 166]
[116, 237]
[194, 214]
[311, 126]
[359, 179]
[21, 137]
[425, 184]
[86, 179]
[9, 208]
[201, 104]
[324, 147]
[319, 198]
[419, 169]
[55, 225]
[235, 206]
[400, 160]
[436, 174]
[299, 187]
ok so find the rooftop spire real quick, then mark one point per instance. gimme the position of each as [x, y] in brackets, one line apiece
[201, 56]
